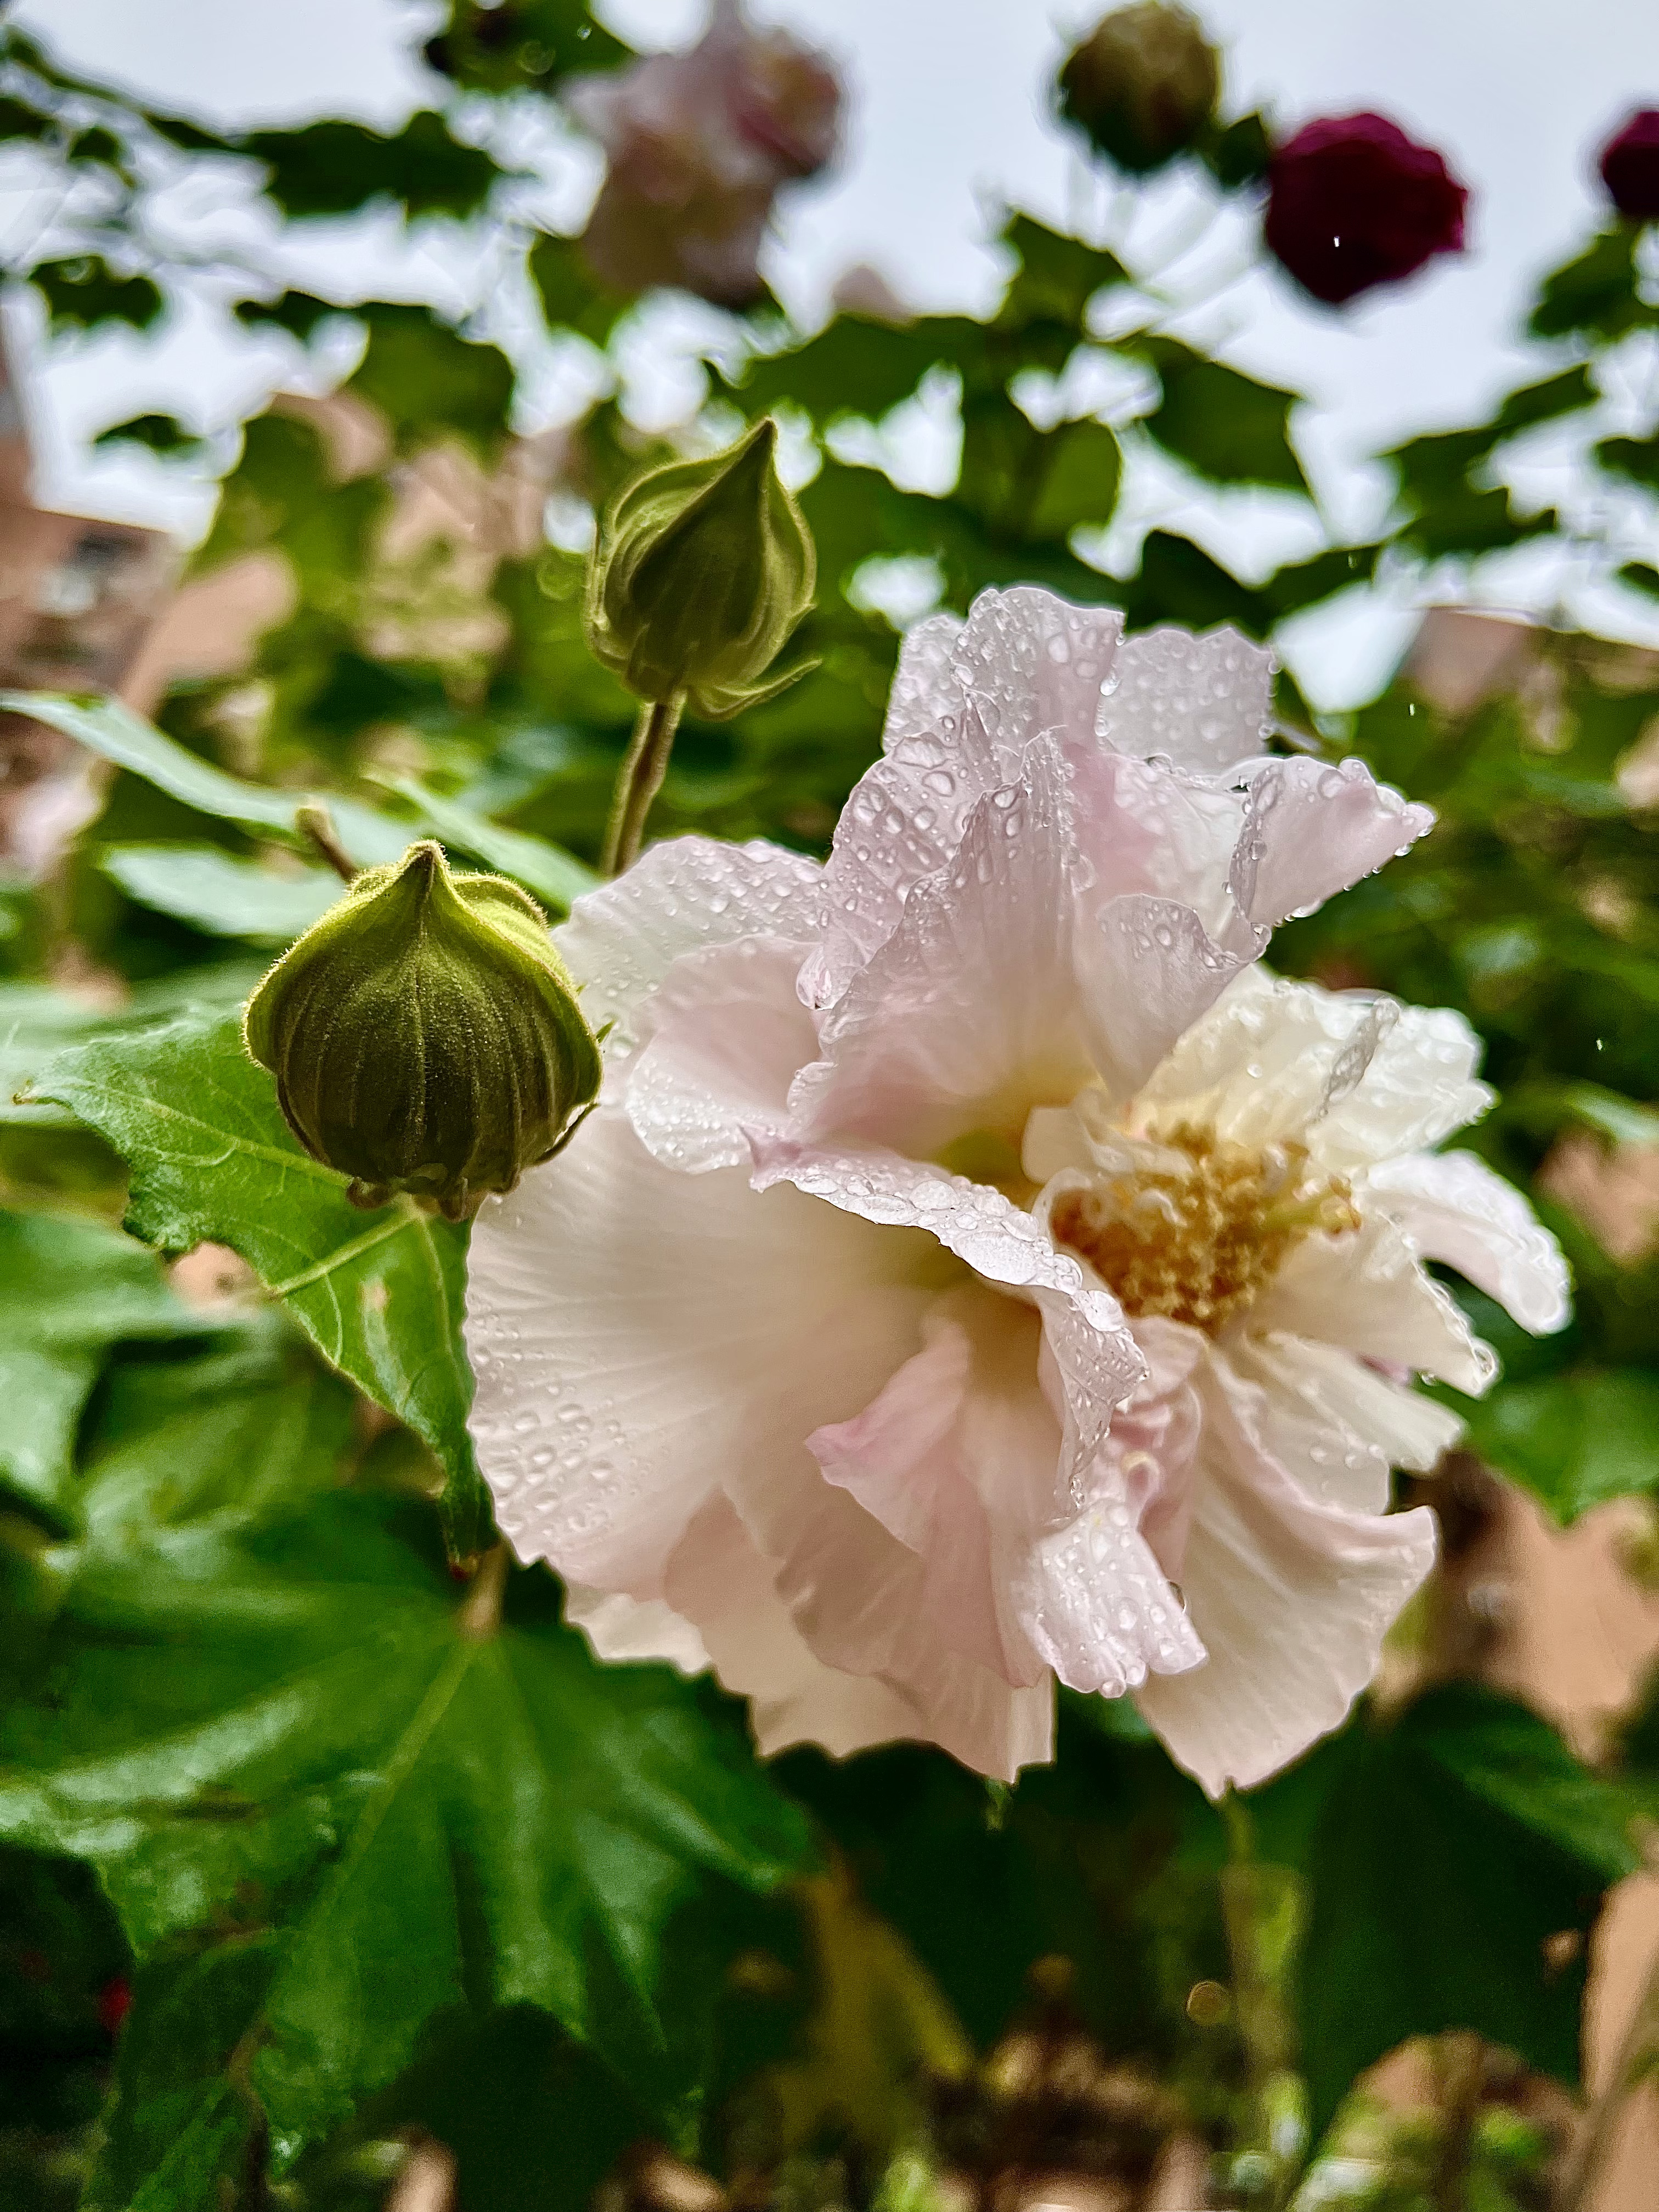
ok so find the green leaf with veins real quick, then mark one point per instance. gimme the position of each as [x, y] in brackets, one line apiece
[70, 1291]
[1454, 1844]
[216, 892]
[37, 1020]
[353, 1798]
[241, 1433]
[379, 1294]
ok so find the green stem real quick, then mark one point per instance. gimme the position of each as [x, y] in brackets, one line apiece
[313, 822]
[1259, 1913]
[639, 782]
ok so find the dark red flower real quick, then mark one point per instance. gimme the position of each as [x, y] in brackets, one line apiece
[1353, 202]
[1630, 167]
[114, 2004]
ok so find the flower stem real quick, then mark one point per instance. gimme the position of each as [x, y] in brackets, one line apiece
[1261, 1915]
[314, 822]
[480, 1616]
[1638, 2047]
[639, 782]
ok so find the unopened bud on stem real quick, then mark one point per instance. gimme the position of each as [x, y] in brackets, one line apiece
[1142, 85]
[425, 1035]
[702, 570]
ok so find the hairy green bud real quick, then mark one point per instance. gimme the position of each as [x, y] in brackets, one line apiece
[425, 1035]
[702, 570]
[1142, 85]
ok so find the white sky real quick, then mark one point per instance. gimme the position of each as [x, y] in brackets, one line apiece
[946, 122]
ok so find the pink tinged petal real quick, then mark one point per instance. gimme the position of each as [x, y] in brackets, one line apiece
[1093, 1592]
[1033, 663]
[1312, 829]
[958, 1459]
[969, 1014]
[640, 1337]
[1148, 970]
[905, 816]
[999, 1240]
[728, 1035]
[1292, 1597]
[679, 896]
[1454, 1209]
[1203, 703]
[1098, 1607]
[1090, 1362]
[1337, 1424]
[1142, 827]
[1153, 1443]
[720, 1579]
[1366, 1291]
[965, 703]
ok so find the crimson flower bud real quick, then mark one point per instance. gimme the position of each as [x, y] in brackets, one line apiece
[1630, 167]
[1353, 202]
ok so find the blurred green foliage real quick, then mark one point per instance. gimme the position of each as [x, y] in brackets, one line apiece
[381, 1874]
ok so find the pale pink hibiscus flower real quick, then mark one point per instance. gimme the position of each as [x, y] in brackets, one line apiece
[980, 1271]
[700, 143]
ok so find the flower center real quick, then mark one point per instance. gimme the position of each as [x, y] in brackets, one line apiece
[1199, 1236]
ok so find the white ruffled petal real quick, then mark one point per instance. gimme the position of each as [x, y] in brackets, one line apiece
[1419, 1086]
[1268, 1063]
[1292, 1598]
[622, 1627]
[1337, 1424]
[640, 1337]
[1454, 1209]
[1366, 1291]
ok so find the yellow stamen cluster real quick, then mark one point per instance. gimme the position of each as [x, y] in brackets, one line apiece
[1200, 1239]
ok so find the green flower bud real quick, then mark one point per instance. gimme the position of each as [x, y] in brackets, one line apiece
[702, 570]
[1142, 85]
[425, 1035]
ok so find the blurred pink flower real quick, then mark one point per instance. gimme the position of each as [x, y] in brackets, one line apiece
[699, 143]
[979, 1270]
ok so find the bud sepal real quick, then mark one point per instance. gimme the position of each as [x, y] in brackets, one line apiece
[425, 1036]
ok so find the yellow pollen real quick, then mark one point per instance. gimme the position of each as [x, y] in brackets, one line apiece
[1201, 1239]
